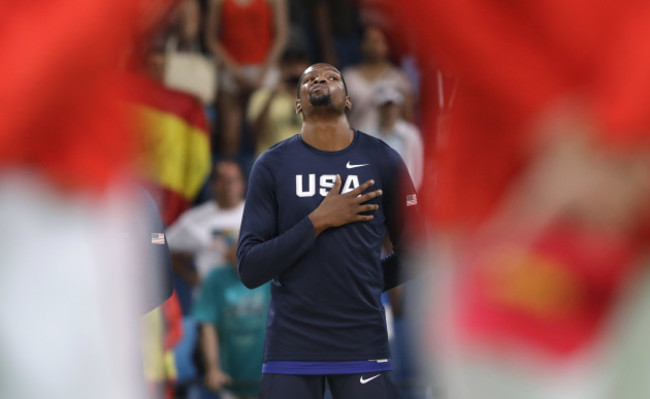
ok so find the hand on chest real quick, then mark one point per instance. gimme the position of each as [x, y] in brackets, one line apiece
[302, 188]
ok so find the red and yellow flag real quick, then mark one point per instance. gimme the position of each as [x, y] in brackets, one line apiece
[175, 144]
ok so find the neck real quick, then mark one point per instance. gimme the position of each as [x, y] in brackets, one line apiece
[377, 63]
[386, 126]
[327, 134]
[226, 204]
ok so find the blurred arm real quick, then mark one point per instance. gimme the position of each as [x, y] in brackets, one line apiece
[281, 32]
[212, 36]
[215, 378]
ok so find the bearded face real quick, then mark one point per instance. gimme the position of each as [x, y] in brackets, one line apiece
[320, 98]
[322, 89]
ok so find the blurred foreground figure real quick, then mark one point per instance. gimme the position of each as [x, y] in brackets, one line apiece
[73, 247]
[541, 197]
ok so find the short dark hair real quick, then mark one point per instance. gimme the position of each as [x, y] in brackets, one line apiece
[345, 86]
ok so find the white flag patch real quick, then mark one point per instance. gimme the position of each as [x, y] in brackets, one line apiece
[411, 200]
[158, 238]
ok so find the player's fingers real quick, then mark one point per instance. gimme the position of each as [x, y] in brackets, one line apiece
[368, 207]
[226, 380]
[364, 218]
[213, 385]
[366, 185]
[368, 196]
[336, 188]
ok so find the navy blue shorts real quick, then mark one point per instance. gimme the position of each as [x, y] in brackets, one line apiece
[377, 385]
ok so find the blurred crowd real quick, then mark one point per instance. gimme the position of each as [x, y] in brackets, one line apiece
[527, 137]
[255, 52]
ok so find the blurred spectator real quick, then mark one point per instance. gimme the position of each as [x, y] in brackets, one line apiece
[200, 236]
[246, 37]
[364, 79]
[200, 240]
[187, 69]
[402, 136]
[337, 30]
[233, 323]
[186, 26]
[299, 26]
[272, 112]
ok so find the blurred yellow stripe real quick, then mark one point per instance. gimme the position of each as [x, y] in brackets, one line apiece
[177, 155]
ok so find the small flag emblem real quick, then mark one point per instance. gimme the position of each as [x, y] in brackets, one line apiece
[158, 238]
[411, 200]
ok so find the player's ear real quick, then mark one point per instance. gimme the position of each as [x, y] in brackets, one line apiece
[348, 103]
[298, 106]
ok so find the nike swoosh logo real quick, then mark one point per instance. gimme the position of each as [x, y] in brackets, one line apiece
[350, 166]
[365, 381]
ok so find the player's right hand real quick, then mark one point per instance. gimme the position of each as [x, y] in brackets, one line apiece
[215, 379]
[339, 209]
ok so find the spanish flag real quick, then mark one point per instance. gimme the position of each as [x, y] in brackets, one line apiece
[174, 144]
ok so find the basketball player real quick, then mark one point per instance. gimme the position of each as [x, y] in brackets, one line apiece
[318, 208]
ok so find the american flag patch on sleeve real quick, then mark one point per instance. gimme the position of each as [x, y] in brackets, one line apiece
[158, 238]
[411, 200]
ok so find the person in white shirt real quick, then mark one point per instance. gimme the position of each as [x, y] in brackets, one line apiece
[376, 70]
[402, 136]
[206, 233]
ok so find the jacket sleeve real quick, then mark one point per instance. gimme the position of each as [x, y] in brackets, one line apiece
[402, 220]
[262, 253]
[156, 274]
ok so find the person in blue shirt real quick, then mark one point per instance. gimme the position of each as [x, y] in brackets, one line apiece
[232, 332]
[318, 208]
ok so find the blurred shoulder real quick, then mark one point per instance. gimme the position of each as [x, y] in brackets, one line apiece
[408, 130]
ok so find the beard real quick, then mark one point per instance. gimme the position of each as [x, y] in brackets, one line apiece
[321, 99]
